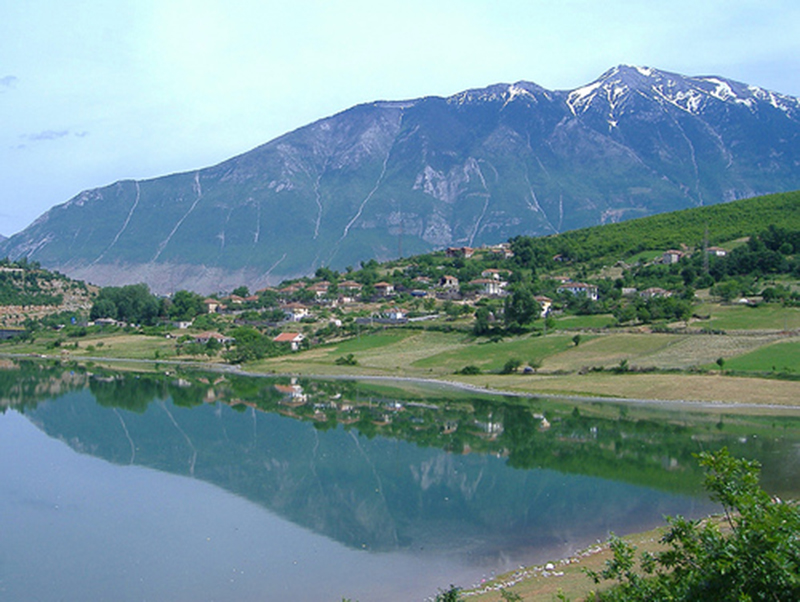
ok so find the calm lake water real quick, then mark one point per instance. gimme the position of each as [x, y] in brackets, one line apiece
[201, 487]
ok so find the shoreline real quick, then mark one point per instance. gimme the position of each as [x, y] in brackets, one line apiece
[430, 381]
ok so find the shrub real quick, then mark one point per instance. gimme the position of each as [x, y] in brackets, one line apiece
[755, 556]
[346, 360]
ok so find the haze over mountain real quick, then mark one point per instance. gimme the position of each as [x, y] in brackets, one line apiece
[398, 178]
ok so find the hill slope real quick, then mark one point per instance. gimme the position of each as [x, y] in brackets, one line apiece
[399, 178]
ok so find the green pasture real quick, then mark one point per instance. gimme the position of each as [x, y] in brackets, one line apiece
[489, 356]
[778, 357]
[584, 322]
[768, 316]
[370, 342]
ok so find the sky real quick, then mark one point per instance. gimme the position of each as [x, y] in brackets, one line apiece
[96, 91]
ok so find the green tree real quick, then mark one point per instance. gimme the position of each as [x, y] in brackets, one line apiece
[186, 305]
[751, 554]
[481, 326]
[521, 308]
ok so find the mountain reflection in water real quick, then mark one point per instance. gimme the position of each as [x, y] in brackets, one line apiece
[488, 479]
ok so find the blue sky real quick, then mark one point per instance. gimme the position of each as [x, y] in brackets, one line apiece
[94, 91]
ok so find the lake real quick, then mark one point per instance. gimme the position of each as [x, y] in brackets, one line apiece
[198, 486]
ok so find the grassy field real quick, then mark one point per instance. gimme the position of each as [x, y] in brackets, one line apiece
[744, 317]
[679, 366]
[779, 357]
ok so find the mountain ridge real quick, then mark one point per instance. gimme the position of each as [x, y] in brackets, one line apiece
[390, 178]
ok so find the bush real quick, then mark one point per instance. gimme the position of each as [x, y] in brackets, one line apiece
[469, 370]
[346, 360]
[754, 555]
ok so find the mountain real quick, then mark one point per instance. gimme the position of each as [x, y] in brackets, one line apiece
[399, 178]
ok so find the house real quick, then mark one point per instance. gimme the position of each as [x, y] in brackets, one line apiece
[320, 289]
[295, 312]
[350, 286]
[204, 337]
[289, 290]
[465, 252]
[213, 306]
[396, 315]
[384, 288]
[108, 322]
[293, 338]
[495, 274]
[718, 251]
[235, 300]
[447, 281]
[579, 288]
[654, 292]
[503, 249]
[489, 286]
[545, 303]
[672, 256]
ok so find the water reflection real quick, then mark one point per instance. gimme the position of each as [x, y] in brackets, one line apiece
[427, 470]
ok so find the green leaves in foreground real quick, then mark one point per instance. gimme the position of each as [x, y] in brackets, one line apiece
[752, 554]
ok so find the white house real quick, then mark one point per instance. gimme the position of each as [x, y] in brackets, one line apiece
[489, 286]
[545, 303]
[293, 338]
[295, 312]
[672, 256]
[579, 288]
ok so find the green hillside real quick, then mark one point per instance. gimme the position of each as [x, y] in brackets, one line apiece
[724, 223]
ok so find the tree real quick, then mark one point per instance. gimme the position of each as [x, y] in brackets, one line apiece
[751, 554]
[241, 291]
[576, 339]
[133, 303]
[481, 326]
[186, 305]
[521, 308]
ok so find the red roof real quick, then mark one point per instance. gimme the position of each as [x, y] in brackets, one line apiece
[287, 337]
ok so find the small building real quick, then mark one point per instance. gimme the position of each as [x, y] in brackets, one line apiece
[447, 281]
[545, 303]
[384, 288]
[465, 252]
[672, 256]
[654, 292]
[396, 315]
[204, 337]
[293, 338]
[495, 274]
[489, 286]
[213, 306]
[350, 286]
[295, 312]
[717, 251]
[579, 288]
